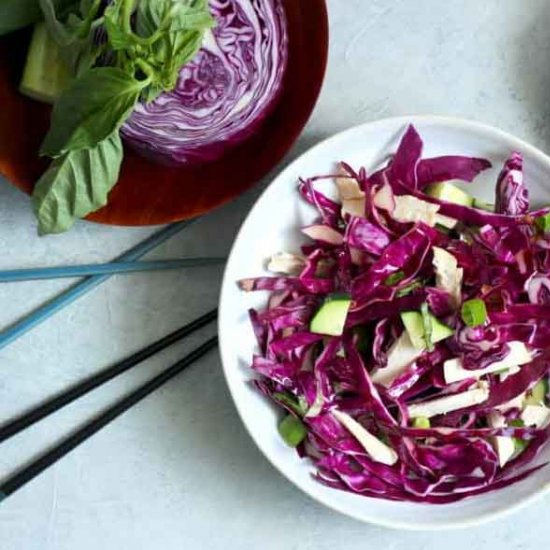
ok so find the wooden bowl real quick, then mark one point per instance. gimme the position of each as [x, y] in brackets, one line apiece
[149, 193]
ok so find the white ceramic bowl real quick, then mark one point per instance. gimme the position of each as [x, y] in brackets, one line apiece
[272, 226]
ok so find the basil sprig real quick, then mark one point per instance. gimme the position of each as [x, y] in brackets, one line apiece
[126, 52]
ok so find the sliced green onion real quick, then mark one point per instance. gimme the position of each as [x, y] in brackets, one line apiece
[394, 278]
[474, 312]
[292, 430]
[422, 423]
[543, 223]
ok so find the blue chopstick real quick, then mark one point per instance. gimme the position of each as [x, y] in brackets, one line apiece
[8, 335]
[64, 272]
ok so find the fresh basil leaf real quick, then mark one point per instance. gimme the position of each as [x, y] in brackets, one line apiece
[190, 15]
[170, 55]
[186, 46]
[151, 93]
[120, 37]
[81, 23]
[76, 184]
[81, 56]
[95, 105]
[172, 16]
[150, 15]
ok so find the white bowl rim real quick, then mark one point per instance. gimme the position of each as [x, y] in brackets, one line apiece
[225, 347]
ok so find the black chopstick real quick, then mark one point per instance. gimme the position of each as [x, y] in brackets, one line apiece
[26, 419]
[36, 467]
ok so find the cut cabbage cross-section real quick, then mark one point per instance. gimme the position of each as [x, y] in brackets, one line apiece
[224, 93]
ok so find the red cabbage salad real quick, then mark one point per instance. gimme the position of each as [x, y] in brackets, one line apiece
[406, 345]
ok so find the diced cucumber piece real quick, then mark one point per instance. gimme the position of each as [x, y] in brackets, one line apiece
[414, 325]
[440, 331]
[416, 328]
[46, 75]
[330, 319]
[446, 191]
[292, 430]
[537, 394]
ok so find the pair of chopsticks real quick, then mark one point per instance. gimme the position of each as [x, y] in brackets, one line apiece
[102, 273]
[19, 423]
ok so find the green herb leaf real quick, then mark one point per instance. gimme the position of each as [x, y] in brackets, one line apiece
[76, 184]
[172, 15]
[149, 16]
[184, 47]
[91, 109]
[173, 32]
[543, 223]
[119, 33]
[394, 278]
[474, 312]
[292, 430]
[190, 15]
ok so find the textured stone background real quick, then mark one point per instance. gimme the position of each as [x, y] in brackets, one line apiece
[179, 470]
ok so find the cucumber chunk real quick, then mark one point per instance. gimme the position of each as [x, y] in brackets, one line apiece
[46, 75]
[330, 319]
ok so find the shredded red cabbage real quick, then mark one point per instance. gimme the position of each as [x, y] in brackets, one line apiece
[388, 418]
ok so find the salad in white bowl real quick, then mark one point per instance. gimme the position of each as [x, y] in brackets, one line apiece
[403, 339]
